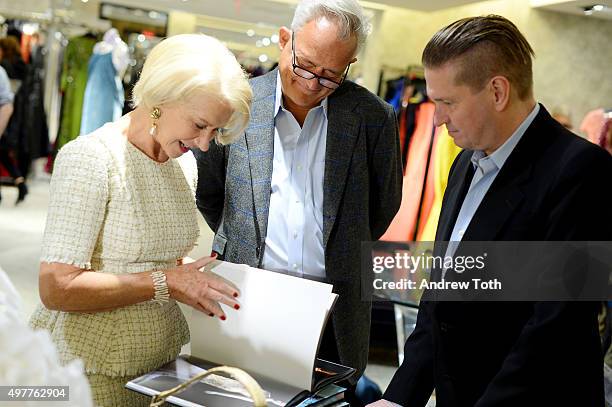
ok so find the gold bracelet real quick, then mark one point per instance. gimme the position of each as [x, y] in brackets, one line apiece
[162, 295]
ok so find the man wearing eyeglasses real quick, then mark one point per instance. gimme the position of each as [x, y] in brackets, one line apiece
[317, 172]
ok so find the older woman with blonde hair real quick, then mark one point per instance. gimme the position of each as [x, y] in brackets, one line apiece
[122, 216]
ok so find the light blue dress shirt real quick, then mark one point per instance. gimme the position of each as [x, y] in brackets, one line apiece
[294, 240]
[486, 170]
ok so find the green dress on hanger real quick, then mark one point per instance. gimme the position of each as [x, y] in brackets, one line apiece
[73, 82]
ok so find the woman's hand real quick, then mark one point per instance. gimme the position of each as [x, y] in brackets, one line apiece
[203, 290]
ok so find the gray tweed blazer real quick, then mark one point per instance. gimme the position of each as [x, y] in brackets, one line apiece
[362, 193]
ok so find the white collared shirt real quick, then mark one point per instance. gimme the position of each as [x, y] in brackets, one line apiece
[294, 240]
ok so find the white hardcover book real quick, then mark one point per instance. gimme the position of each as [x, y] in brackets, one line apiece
[275, 333]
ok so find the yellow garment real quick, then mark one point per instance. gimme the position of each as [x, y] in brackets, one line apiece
[444, 155]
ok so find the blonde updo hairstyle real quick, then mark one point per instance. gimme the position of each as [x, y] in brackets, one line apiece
[185, 65]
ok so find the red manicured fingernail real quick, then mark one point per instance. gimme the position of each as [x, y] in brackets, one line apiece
[236, 306]
[235, 295]
[223, 318]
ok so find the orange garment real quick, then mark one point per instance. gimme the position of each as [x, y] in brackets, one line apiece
[403, 226]
[25, 47]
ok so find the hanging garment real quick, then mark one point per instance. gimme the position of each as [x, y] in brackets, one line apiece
[592, 124]
[431, 152]
[403, 226]
[395, 90]
[27, 132]
[103, 101]
[407, 122]
[72, 85]
[596, 125]
[36, 140]
[26, 40]
[444, 154]
[428, 189]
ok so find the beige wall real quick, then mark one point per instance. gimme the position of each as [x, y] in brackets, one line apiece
[181, 23]
[573, 61]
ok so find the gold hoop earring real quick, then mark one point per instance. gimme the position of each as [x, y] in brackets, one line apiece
[155, 115]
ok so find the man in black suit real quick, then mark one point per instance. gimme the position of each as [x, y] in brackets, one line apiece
[520, 177]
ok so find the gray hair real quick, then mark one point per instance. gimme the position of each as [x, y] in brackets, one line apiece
[347, 13]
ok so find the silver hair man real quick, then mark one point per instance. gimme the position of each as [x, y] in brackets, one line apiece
[348, 14]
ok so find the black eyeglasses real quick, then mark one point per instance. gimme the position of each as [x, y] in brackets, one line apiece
[306, 74]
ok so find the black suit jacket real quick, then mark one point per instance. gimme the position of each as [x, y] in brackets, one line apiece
[552, 188]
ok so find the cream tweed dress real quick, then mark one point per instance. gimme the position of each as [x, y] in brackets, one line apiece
[114, 210]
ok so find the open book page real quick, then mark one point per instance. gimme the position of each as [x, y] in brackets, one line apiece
[276, 331]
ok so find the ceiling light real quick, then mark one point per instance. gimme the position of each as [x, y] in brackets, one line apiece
[265, 41]
[250, 32]
[598, 7]
[258, 44]
[274, 38]
[263, 58]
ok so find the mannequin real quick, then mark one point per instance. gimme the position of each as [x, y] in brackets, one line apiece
[111, 42]
[103, 101]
